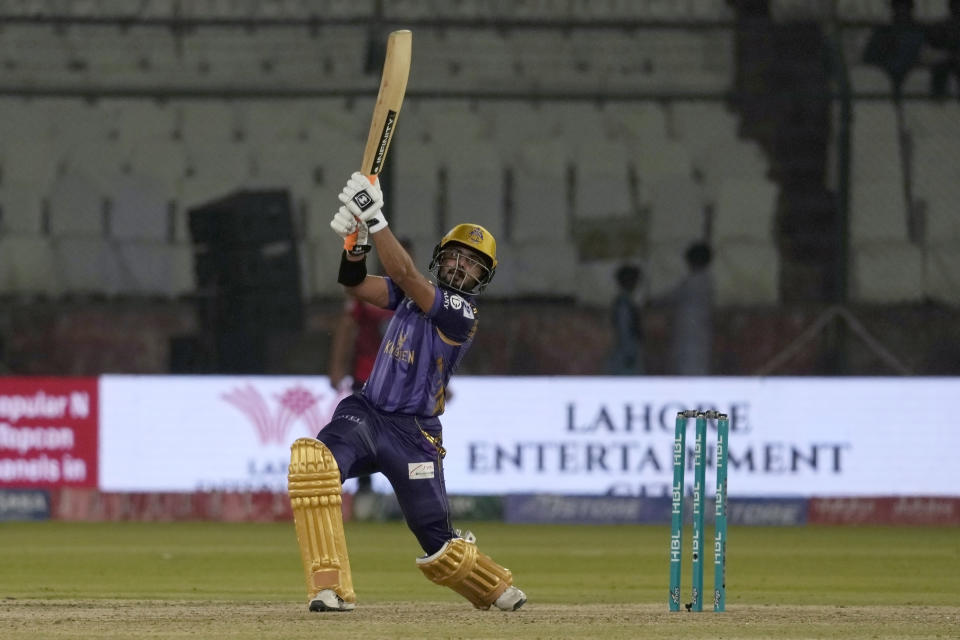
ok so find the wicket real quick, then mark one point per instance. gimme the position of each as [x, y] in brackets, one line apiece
[676, 517]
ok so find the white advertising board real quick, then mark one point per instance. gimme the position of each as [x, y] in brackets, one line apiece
[199, 433]
[788, 436]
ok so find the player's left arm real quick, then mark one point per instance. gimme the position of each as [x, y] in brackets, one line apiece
[363, 204]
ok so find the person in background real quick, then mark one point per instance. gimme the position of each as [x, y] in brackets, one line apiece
[691, 344]
[626, 358]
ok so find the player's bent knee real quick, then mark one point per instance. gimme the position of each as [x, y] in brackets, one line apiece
[315, 497]
[462, 567]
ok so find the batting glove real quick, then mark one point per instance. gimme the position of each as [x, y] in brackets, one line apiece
[361, 197]
[344, 223]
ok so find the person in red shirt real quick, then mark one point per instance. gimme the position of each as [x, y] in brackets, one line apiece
[357, 336]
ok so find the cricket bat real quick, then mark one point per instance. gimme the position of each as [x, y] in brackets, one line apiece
[393, 86]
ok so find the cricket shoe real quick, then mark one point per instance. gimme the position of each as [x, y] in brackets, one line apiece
[511, 599]
[328, 600]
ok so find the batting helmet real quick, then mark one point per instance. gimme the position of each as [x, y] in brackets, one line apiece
[474, 237]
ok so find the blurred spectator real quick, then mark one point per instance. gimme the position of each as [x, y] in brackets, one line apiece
[691, 342]
[943, 39]
[896, 47]
[627, 356]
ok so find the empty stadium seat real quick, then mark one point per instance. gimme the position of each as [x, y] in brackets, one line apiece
[203, 121]
[163, 159]
[746, 272]
[140, 208]
[745, 209]
[878, 211]
[21, 206]
[865, 78]
[415, 189]
[154, 268]
[604, 183]
[135, 120]
[27, 266]
[540, 205]
[89, 265]
[942, 273]
[475, 188]
[886, 271]
[77, 206]
[213, 171]
[875, 142]
[676, 210]
[536, 268]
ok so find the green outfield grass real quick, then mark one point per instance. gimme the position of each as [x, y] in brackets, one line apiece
[244, 580]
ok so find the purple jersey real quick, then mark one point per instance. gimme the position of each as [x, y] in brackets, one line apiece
[420, 351]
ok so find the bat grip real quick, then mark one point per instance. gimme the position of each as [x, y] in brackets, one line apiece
[372, 179]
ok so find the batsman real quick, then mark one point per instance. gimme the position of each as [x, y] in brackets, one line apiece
[392, 424]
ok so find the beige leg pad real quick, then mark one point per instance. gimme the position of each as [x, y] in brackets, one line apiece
[315, 495]
[474, 575]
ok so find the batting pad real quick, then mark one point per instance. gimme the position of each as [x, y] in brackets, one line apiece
[314, 489]
[474, 575]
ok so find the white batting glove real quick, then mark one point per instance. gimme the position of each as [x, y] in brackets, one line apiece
[344, 223]
[362, 198]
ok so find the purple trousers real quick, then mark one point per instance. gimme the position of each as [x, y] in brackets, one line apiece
[365, 440]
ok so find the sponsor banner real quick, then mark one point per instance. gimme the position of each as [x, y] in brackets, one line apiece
[559, 509]
[789, 437]
[555, 509]
[767, 512]
[933, 510]
[24, 504]
[476, 508]
[206, 433]
[89, 505]
[384, 506]
[48, 432]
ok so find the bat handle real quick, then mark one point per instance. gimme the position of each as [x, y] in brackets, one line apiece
[372, 178]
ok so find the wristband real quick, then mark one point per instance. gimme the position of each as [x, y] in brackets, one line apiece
[351, 273]
[377, 222]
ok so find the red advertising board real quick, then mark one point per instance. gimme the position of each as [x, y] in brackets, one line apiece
[48, 432]
[902, 510]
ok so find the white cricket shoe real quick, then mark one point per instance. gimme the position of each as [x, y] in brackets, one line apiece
[328, 600]
[511, 599]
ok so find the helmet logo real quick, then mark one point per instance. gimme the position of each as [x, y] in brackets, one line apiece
[476, 235]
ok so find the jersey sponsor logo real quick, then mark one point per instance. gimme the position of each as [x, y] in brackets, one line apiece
[395, 349]
[468, 311]
[456, 302]
[420, 470]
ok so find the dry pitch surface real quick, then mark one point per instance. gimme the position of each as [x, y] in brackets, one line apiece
[211, 580]
[32, 619]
